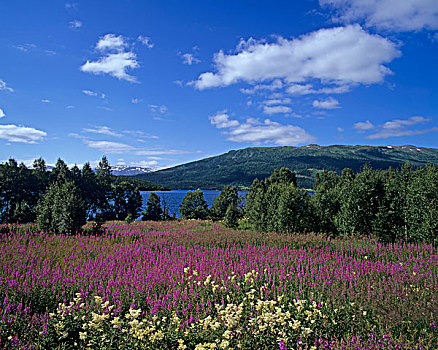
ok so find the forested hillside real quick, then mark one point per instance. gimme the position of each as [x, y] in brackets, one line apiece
[241, 167]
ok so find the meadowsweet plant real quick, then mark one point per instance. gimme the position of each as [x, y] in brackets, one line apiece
[197, 285]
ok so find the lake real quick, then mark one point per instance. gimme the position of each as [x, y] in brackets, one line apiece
[174, 198]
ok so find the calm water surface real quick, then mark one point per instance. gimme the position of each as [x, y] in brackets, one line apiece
[174, 198]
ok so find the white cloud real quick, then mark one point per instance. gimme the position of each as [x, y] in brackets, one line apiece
[94, 93]
[70, 107]
[145, 164]
[400, 123]
[145, 40]
[110, 146]
[2, 114]
[102, 130]
[5, 87]
[363, 126]
[89, 92]
[398, 127]
[276, 109]
[329, 103]
[397, 133]
[114, 64]
[222, 120]
[256, 132]
[157, 152]
[342, 55]
[158, 109]
[397, 15]
[275, 85]
[71, 5]
[189, 58]
[138, 133]
[75, 24]
[306, 89]
[45, 100]
[18, 133]
[277, 101]
[340, 129]
[25, 47]
[111, 42]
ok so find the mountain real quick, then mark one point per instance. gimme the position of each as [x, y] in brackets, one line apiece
[121, 170]
[241, 167]
[125, 170]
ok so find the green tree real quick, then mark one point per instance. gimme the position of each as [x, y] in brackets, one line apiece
[263, 201]
[326, 201]
[127, 200]
[61, 209]
[104, 190]
[228, 196]
[194, 206]
[361, 200]
[153, 209]
[422, 205]
[231, 218]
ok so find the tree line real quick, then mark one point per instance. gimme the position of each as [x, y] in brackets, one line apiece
[392, 204]
[63, 199]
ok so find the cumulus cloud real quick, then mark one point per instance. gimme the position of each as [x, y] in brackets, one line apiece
[115, 64]
[104, 130]
[18, 133]
[2, 114]
[75, 24]
[116, 60]
[276, 109]
[363, 126]
[145, 40]
[222, 120]
[329, 103]
[399, 127]
[342, 55]
[111, 42]
[255, 132]
[394, 128]
[5, 87]
[396, 15]
[45, 100]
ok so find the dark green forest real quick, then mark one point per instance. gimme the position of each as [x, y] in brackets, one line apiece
[62, 200]
[239, 168]
[392, 204]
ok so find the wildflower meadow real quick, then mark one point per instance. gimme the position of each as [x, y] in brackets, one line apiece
[197, 285]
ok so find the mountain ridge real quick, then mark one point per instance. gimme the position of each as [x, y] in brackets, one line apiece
[240, 167]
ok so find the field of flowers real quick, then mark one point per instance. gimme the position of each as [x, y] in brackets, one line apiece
[196, 285]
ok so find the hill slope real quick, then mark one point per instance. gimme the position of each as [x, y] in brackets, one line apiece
[241, 167]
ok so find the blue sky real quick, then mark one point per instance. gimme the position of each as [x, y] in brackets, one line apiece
[160, 83]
